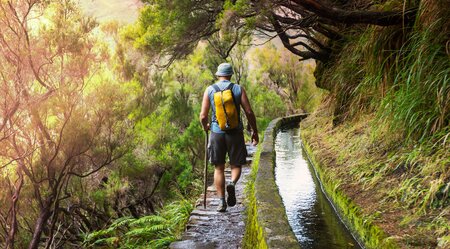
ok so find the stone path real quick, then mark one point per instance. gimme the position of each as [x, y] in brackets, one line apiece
[208, 229]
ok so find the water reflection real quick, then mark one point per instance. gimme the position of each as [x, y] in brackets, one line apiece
[310, 214]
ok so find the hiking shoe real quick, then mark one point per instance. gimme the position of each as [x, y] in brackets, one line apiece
[231, 200]
[222, 207]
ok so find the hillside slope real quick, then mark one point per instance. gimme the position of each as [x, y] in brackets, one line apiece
[383, 131]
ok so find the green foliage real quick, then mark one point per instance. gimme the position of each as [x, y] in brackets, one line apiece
[266, 104]
[357, 78]
[281, 72]
[167, 27]
[169, 138]
[154, 231]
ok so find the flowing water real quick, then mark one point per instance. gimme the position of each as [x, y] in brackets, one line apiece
[310, 214]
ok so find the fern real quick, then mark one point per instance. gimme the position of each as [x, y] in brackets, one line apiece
[108, 241]
[121, 222]
[163, 242]
[147, 231]
[151, 219]
[153, 231]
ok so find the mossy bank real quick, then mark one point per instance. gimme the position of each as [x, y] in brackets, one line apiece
[382, 133]
[360, 225]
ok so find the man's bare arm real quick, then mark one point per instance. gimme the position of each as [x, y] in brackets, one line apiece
[204, 111]
[250, 116]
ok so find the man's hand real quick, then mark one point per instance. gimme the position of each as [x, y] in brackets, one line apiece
[250, 116]
[255, 138]
[206, 127]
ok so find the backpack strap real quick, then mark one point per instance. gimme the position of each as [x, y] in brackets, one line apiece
[238, 109]
[216, 87]
[230, 87]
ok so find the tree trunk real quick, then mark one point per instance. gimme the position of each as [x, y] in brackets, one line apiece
[40, 224]
[13, 229]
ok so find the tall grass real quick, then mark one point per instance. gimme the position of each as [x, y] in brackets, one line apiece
[392, 100]
[419, 101]
[401, 74]
[360, 75]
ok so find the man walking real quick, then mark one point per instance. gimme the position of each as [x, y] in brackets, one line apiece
[227, 140]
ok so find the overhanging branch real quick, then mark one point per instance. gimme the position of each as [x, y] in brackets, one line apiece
[381, 18]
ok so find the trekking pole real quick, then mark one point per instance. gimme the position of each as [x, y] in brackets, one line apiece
[205, 172]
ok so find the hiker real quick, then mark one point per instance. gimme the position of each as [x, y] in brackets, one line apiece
[227, 131]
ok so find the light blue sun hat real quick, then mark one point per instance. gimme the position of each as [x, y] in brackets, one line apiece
[224, 69]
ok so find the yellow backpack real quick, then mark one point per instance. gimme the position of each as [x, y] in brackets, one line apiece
[226, 109]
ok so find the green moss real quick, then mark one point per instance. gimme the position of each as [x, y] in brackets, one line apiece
[267, 225]
[361, 225]
[259, 213]
[403, 186]
[253, 237]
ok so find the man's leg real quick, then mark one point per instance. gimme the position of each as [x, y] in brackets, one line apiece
[237, 153]
[217, 152]
[219, 180]
[235, 173]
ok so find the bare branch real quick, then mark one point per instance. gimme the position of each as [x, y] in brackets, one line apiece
[311, 54]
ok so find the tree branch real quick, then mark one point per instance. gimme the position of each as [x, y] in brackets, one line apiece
[310, 54]
[381, 18]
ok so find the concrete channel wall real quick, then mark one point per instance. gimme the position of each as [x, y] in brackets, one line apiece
[267, 224]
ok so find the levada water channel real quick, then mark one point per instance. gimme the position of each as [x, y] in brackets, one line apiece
[310, 214]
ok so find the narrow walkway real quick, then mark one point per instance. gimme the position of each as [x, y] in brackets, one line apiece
[208, 229]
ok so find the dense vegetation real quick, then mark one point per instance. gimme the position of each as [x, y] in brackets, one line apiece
[99, 147]
[390, 104]
[385, 65]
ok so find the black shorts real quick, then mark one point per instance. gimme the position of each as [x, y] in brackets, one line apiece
[232, 143]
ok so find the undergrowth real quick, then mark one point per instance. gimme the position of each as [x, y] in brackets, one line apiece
[153, 231]
[400, 78]
[419, 101]
[402, 74]
[388, 132]
[405, 185]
